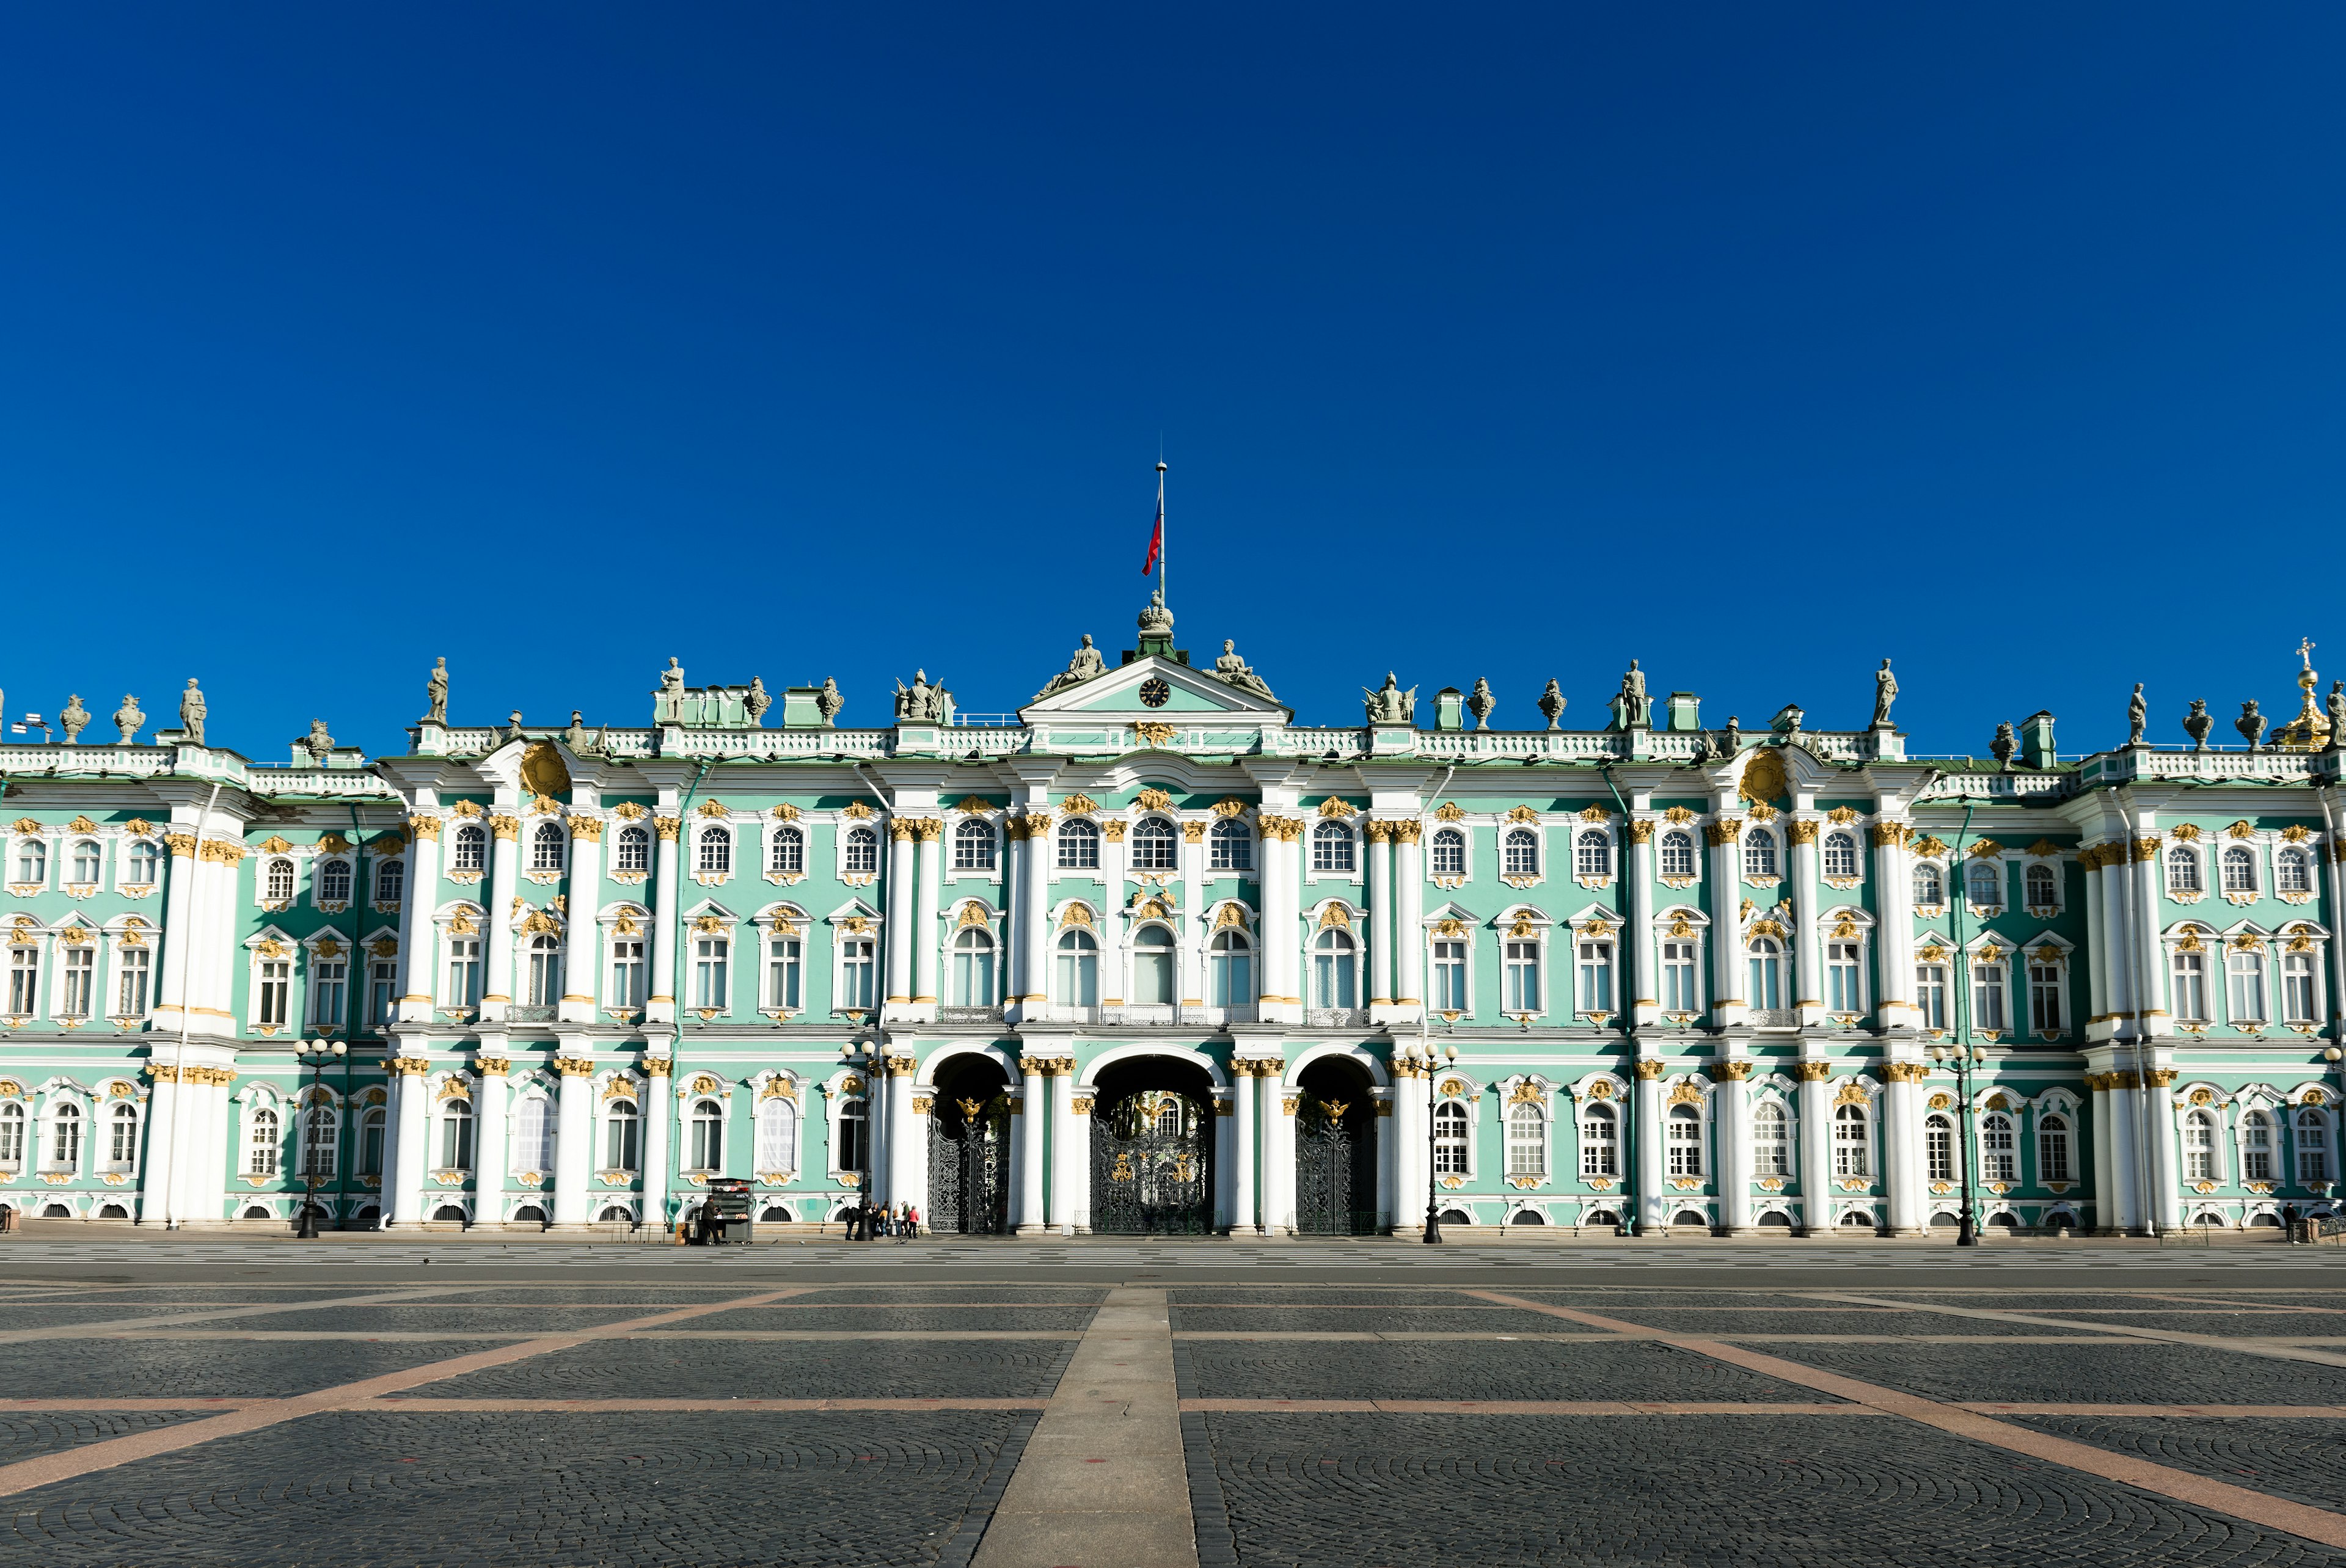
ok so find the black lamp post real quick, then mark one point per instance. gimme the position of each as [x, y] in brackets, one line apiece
[316, 1056]
[1961, 1059]
[1424, 1056]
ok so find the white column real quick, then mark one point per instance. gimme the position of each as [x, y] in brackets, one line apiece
[1731, 1110]
[2117, 927]
[155, 1205]
[1282, 992]
[1637, 941]
[1409, 929]
[1245, 1144]
[2106, 1177]
[1192, 856]
[1279, 1153]
[1113, 929]
[1034, 902]
[1409, 1147]
[1388, 1174]
[1062, 1217]
[1079, 1155]
[489, 1101]
[417, 952]
[1815, 1144]
[1226, 1159]
[2152, 1013]
[1808, 973]
[2127, 1175]
[405, 1179]
[582, 959]
[1650, 1194]
[1730, 1007]
[1014, 916]
[2158, 1089]
[574, 1132]
[1378, 840]
[1902, 1146]
[208, 1185]
[2095, 974]
[906, 1143]
[1894, 928]
[504, 872]
[1027, 1216]
[659, 1007]
[179, 921]
[930, 863]
[659, 1104]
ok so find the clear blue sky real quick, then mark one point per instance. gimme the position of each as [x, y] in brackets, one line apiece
[1757, 342]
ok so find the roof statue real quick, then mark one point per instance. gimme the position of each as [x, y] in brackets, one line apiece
[831, 702]
[128, 718]
[1085, 663]
[2198, 723]
[317, 743]
[2310, 729]
[1551, 703]
[191, 713]
[1237, 672]
[921, 703]
[755, 702]
[436, 691]
[1885, 692]
[1388, 704]
[2138, 714]
[74, 718]
[669, 699]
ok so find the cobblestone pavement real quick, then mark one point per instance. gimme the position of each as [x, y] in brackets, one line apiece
[1512, 1416]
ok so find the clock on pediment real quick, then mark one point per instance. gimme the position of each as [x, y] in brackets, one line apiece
[1155, 693]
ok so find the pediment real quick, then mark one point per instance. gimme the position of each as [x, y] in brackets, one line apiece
[1124, 693]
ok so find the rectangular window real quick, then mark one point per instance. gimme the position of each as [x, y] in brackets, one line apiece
[1523, 977]
[2053, 1151]
[1595, 977]
[856, 974]
[2044, 998]
[135, 966]
[1526, 1142]
[1987, 996]
[1938, 1150]
[328, 976]
[627, 973]
[2297, 988]
[383, 991]
[1849, 1143]
[708, 955]
[1679, 993]
[783, 972]
[1450, 977]
[2244, 974]
[1599, 1145]
[81, 981]
[275, 983]
[1685, 1145]
[2256, 1148]
[1842, 978]
[2191, 986]
[23, 981]
[464, 972]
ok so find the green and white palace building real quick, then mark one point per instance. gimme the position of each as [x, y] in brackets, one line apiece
[1149, 955]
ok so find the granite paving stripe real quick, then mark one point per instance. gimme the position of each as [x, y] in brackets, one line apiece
[136, 1318]
[1451, 1370]
[52, 1468]
[1370, 1336]
[1378, 1490]
[227, 1368]
[2200, 1491]
[2230, 1325]
[2243, 1347]
[24, 1434]
[1314, 1295]
[565, 1406]
[851, 1368]
[2083, 1370]
[1742, 1324]
[949, 1295]
[44, 1316]
[438, 1319]
[1536, 1407]
[1350, 1320]
[2296, 1459]
[908, 1320]
[212, 1295]
[843, 1490]
[661, 1294]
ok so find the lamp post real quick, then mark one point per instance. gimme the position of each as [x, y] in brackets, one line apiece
[1962, 1059]
[316, 1056]
[1448, 1057]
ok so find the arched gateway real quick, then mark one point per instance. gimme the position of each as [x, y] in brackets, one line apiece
[969, 1149]
[1336, 1151]
[1152, 1149]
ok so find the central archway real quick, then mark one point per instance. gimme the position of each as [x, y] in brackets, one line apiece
[969, 1149]
[1336, 1151]
[1152, 1149]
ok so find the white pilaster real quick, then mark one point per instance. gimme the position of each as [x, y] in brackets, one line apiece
[1729, 1008]
[659, 1105]
[574, 1132]
[1377, 839]
[908, 1144]
[1650, 1194]
[1245, 1144]
[504, 856]
[1902, 1154]
[490, 1098]
[1730, 1110]
[1279, 1153]
[1815, 1144]
[582, 960]
[1066, 1159]
[1409, 1148]
[927, 979]
[405, 1182]
[1027, 1213]
[1035, 911]
[899, 905]
[1807, 975]
[1893, 930]
[1637, 944]
[1408, 929]
[418, 950]
[2158, 1092]
[659, 1007]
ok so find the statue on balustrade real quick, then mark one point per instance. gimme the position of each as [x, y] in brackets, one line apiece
[1085, 663]
[1235, 671]
[435, 692]
[191, 713]
[1388, 704]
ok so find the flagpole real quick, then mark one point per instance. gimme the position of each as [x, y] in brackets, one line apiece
[1160, 533]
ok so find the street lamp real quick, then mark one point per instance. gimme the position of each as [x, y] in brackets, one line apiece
[317, 1057]
[1962, 1061]
[1432, 1198]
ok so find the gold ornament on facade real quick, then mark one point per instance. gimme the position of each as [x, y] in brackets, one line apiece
[1378, 829]
[1080, 805]
[973, 913]
[1801, 830]
[1193, 832]
[1112, 830]
[183, 845]
[1763, 813]
[1684, 1092]
[709, 925]
[1151, 733]
[587, 829]
[1449, 811]
[1337, 808]
[505, 827]
[1735, 1070]
[1520, 814]
[668, 826]
[1335, 916]
[1229, 806]
[1152, 799]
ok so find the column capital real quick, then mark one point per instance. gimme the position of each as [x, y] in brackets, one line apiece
[1814, 1071]
[575, 1066]
[1735, 1069]
[668, 826]
[407, 1066]
[1647, 1069]
[900, 1066]
[588, 827]
[491, 1067]
[1892, 835]
[1802, 830]
[505, 827]
[655, 1067]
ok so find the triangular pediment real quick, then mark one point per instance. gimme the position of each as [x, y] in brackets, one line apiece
[1154, 689]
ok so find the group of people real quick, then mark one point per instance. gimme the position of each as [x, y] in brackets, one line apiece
[868, 1222]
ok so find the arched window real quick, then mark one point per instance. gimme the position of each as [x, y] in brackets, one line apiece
[1930, 886]
[2052, 1148]
[2044, 891]
[371, 1124]
[1153, 841]
[2182, 870]
[855, 1137]
[1168, 1121]
[261, 1132]
[1079, 845]
[2199, 1147]
[335, 882]
[2292, 872]
[1521, 974]
[786, 852]
[707, 1136]
[973, 845]
[1592, 854]
[320, 1134]
[1767, 974]
[1331, 847]
[2244, 984]
[1229, 971]
[1998, 1161]
[716, 851]
[1448, 855]
[1332, 967]
[622, 1137]
[88, 861]
[862, 856]
[122, 1137]
[456, 1134]
[32, 860]
[277, 882]
[1851, 1144]
[546, 847]
[2239, 870]
[1684, 1141]
[471, 851]
[1078, 968]
[1449, 1138]
[2190, 986]
[64, 1139]
[12, 1136]
[1230, 847]
[1526, 1140]
[972, 968]
[2312, 1146]
[533, 1138]
[1841, 855]
[635, 850]
[1759, 853]
[1678, 854]
[778, 1134]
[1600, 1144]
[146, 863]
[1938, 1148]
[389, 882]
[2299, 975]
[1984, 883]
[1519, 852]
[545, 970]
[1152, 966]
[2256, 1147]
[1772, 1143]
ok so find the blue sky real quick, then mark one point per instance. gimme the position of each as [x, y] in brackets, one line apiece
[1758, 343]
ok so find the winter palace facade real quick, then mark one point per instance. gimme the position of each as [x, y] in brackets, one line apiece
[1149, 955]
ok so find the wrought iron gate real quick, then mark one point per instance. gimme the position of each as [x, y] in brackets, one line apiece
[1336, 1168]
[1149, 1165]
[969, 1159]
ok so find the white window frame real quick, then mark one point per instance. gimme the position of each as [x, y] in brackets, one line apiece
[1662, 848]
[1465, 854]
[1075, 838]
[1772, 1111]
[1230, 847]
[1537, 1144]
[1333, 834]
